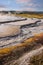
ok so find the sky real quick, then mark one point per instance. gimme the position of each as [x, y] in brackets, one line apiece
[22, 5]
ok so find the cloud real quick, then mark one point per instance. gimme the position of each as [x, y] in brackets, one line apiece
[28, 5]
[29, 9]
[22, 1]
[2, 6]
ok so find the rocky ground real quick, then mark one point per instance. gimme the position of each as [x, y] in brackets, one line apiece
[13, 34]
[20, 41]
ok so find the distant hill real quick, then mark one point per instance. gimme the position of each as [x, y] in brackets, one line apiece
[22, 12]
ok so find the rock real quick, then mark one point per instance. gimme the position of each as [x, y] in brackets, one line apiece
[9, 30]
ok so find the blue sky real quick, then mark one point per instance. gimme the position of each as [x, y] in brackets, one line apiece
[26, 5]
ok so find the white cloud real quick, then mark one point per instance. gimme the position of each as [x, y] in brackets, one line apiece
[29, 9]
[4, 9]
[22, 1]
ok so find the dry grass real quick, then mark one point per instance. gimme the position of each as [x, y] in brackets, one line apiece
[37, 59]
[14, 52]
[31, 15]
[29, 42]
